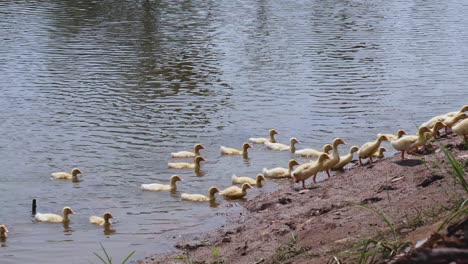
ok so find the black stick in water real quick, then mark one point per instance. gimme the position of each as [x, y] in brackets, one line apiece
[33, 210]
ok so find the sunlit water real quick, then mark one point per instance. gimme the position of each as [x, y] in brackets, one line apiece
[113, 87]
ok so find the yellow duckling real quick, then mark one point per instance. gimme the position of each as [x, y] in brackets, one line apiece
[368, 149]
[279, 146]
[344, 160]
[430, 124]
[235, 192]
[54, 218]
[188, 154]
[3, 231]
[155, 187]
[101, 221]
[184, 165]
[263, 140]
[200, 197]
[451, 121]
[461, 129]
[313, 152]
[67, 176]
[233, 151]
[390, 137]
[380, 153]
[435, 130]
[410, 142]
[240, 180]
[328, 164]
[280, 172]
[310, 169]
[462, 110]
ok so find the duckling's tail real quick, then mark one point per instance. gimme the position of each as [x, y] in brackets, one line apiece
[33, 209]
[233, 177]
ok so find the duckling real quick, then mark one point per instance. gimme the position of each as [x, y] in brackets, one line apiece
[235, 192]
[54, 218]
[188, 154]
[461, 129]
[328, 164]
[380, 153]
[67, 176]
[430, 124]
[279, 146]
[462, 110]
[185, 165]
[344, 160]
[162, 187]
[368, 149]
[313, 152]
[240, 180]
[390, 137]
[280, 172]
[435, 130]
[200, 197]
[3, 231]
[451, 121]
[232, 151]
[410, 142]
[307, 170]
[101, 221]
[263, 140]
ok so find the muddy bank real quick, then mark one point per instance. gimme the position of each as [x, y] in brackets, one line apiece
[295, 226]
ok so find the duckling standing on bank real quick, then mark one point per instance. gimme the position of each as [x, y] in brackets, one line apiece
[328, 164]
[185, 165]
[188, 154]
[263, 140]
[3, 231]
[280, 172]
[282, 147]
[54, 218]
[257, 181]
[461, 129]
[235, 192]
[451, 121]
[430, 124]
[200, 197]
[313, 152]
[310, 169]
[380, 153]
[391, 137]
[435, 130]
[162, 187]
[101, 221]
[368, 149]
[410, 142]
[232, 151]
[67, 176]
[344, 160]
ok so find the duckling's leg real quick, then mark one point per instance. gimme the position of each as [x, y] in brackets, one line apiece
[303, 185]
[328, 172]
[402, 154]
[315, 176]
[370, 160]
[360, 161]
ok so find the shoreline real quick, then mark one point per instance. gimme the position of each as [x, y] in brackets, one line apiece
[314, 225]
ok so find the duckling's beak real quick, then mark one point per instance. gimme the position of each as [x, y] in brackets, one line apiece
[6, 230]
[73, 212]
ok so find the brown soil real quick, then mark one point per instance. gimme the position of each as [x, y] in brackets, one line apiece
[311, 226]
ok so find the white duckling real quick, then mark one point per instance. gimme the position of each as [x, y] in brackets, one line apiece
[462, 110]
[410, 142]
[155, 187]
[67, 176]
[344, 160]
[451, 121]
[390, 137]
[368, 149]
[54, 218]
[263, 140]
[235, 192]
[461, 129]
[279, 172]
[184, 165]
[232, 151]
[101, 221]
[241, 180]
[310, 169]
[328, 164]
[200, 197]
[282, 147]
[380, 153]
[430, 124]
[3, 231]
[313, 152]
[188, 154]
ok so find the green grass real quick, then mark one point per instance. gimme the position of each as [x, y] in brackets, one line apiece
[290, 250]
[106, 259]
[459, 174]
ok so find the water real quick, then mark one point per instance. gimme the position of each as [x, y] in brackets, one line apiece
[113, 87]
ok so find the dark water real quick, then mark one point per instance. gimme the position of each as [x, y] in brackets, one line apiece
[113, 87]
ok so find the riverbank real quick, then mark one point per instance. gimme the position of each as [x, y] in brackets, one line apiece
[332, 218]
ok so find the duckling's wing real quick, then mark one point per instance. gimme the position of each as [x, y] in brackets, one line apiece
[61, 175]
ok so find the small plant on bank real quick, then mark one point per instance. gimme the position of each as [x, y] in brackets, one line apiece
[108, 259]
[458, 174]
[290, 250]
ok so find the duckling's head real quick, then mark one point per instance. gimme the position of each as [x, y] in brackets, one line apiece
[175, 178]
[260, 178]
[423, 130]
[246, 146]
[460, 116]
[67, 210]
[400, 133]
[382, 150]
[293, 141]
[273, 132]
[292, 163]
[198, 147]
[213, 190]
[3, 231]
[107, 216]
[198, 159]
[75, 171]
[338, 141]
[246, 186]
[439, 125]
[464, 108]
[323, 157]
[353, 149]
[327, 148]
[382, 138]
